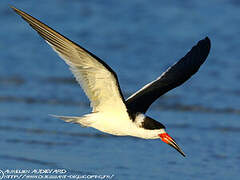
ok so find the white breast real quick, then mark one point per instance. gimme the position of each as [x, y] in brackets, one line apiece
[122, 125]
[113, 123]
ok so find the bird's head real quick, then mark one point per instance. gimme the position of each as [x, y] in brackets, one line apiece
[170, 141]
[157, 130]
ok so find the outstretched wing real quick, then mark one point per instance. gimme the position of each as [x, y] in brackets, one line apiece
[173, 77]
[97, 79]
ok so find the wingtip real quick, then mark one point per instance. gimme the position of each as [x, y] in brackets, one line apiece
[206, 42]
[13, 8]
[207, 39]
[18, 11]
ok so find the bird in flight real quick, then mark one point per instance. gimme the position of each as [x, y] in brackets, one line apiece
[111, 113]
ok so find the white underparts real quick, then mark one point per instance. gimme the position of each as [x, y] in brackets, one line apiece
[115, 124]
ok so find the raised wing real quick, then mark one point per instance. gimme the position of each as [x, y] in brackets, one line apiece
[97, 79]
[173, 77]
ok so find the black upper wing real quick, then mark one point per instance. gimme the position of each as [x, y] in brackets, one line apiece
[173, 77]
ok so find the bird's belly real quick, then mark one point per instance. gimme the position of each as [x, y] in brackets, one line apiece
[111, 128]
[113, 125]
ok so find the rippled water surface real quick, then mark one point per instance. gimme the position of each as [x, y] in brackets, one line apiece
[139, 40]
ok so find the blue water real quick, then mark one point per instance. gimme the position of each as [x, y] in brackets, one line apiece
[139, 39]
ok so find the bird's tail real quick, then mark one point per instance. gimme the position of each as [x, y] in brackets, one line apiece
[84, 121]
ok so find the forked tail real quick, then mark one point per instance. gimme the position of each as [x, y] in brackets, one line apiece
[84, 121]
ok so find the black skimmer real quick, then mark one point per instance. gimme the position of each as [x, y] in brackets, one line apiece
[110, 112]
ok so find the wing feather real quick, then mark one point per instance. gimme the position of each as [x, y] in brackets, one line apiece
[97, 79]
[173, 77]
